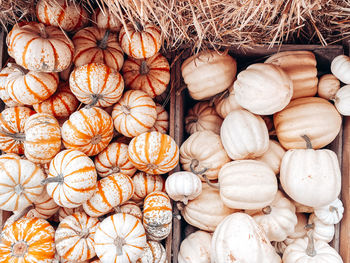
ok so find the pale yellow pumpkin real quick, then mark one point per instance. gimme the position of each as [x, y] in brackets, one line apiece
[226, 103]
[105, 19]
[195, 248]
[328, 85]
[273, 156]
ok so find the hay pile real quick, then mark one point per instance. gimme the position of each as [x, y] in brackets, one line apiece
[221, 23]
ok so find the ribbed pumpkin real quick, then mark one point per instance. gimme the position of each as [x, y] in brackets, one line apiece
[154, 252]
[314, 117]
[97, 45]
[300, 66]
[88, 130]
[154, 153]
[74, 237]
[331, 213]
[273, 156]
[226, 103]
[135, 113]
[106, 20]
[145, 184]
[63, 212]
[195, 248]
[143, 42]
[39, 48]
[129, 207]
[342, 99]
[151, 75]
[112, 191]
[162, 122]
[4, 96]
[66, 15]
[72, 178]
[321, 231]
[340, 66]
[28, 240]
[12, 121]
[328, 85]
[96, 84]
[114, 159]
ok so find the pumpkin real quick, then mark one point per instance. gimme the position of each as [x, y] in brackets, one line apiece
[328, 85]
[145, 184]
[154, 153]
[278, 219]
[111, 191]
[195, 248]
[96, 84]
[30, 87]
[66, 15]
[74, 237]
[157, 215]
[120, 238]
[4, 96]
[331, 213]
[208, 73]
[263, 89]
[154, 252]
[273, 156]
[300, 66]
[341, 100]
[143, 42]
[28, 240]
[239, 238]
[203, 153]
[12, 135]
[9, 156]
[244, 135]
[61, 104]
[131, 208]
[151, 75]
[20, 182]
[88, 130]
[321, 231]
[162, 122]
[135, 113]
[114, 159]
[339, 67]
[226, 103]
[202, 117]
[95, 45]
[37, 47]
[106, 20]
[64, 75]
[72, 178]
[183, 186]
[63, 212]
[321, 126]
[207, 210]
[42, 138]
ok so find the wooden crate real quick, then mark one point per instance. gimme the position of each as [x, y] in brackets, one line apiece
[181, 102]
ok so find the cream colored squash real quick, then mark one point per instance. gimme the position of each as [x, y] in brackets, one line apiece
[263, 89]
[321, 231]
[226, 103]
[195, 248]
[340, 67]
[331, 213]
[273, 156]
[328, 85]
[244, 135]
[239, 239]
[342, 100]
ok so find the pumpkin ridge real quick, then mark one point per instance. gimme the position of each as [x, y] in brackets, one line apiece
[36, 95]
[130, 48]
[120, 191]
[25, 51]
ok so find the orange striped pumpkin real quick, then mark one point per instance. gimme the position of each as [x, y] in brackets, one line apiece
[134, 114]
[20, 182]
[28, 240]
[157, 215]
[61, 13]
[154, 252]
[131, 208]
[74, 237]
[162, 122]
[12, 122]
[114, 159]
[97, 45]
[30, 87]
[61, 104]
[145, 184]
[42, 138]
[72, 178]
[140, 43]
[63, 212]
[88, 130]
[151, 75]
[120, 238]
[106, 20]
[111, 191]
[9, 156]
[154, 153]
[4, 96]
[96, 84]
[39, 48]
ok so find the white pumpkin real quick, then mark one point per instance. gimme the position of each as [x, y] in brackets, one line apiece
[226, 103]
[321, 231]
[328, 85]
[195, 248]
[299, 230]
[342, 100]
[331, 213]
[340, 68]
[273, 156]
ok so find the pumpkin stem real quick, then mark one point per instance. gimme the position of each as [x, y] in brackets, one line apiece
[115, 169]
[334, 209]
[310, 250]
[117, 209]
[15, 136]
[96, 139]
[94, 99]
[20, 68]
[119, 243]
[102, 44]
[219, 96]
[19, 249]
[194, 164]
[308, 141]
[144, 69]
[43, 32]
[214, 185]
[19, 189]
[56, 179]
[84, 233]
[125, 109]
[309, 226]
[185, 199]
[267, 210]
[180, 206]
[139, 26]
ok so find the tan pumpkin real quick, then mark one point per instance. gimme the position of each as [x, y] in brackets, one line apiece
[273, 156]
[340, 66]
[154, 252]
[39, 48]
[226, 103]
[300, 66]
[195, 248]
[88, 130]
[63, 212]
[135, 113]
[95, 45]
[105, 19]
[208, 73]
[328, 85]
[322, 125]
[145, 184]
[202, 117]
[341, 100]
[263, 89]
[142, 42]
[154, 153]
[4, 96]
[162, 122]
[203, 153]
[151, 75]
[66, 15]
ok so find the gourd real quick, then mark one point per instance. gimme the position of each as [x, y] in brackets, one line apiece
[226, 103]
[341, 100]
[195, 248]
[273, 156]
[321, 231]
[4, 96]
[328, 85]
[162, 122]
[340, 66]
[154, 252]
[145, 184]
[331, 213]
[106, 20]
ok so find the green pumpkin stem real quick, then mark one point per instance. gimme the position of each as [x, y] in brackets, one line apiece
[308, 141]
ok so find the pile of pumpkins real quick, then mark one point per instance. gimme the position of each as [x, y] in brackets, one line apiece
[257, 185]
[85, 145]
